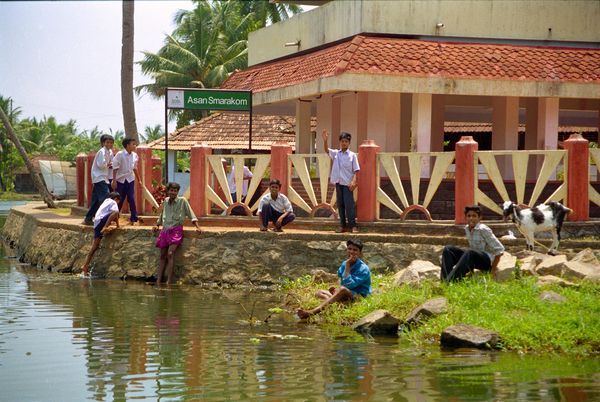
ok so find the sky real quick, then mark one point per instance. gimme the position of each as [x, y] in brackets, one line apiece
[63, 59]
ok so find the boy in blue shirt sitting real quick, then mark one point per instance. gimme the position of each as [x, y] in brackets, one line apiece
[355, 279]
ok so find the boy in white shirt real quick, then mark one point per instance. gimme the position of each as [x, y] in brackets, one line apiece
[275, 207]
[101, 173]
[107, 214]
[124, 175]
[343, 174]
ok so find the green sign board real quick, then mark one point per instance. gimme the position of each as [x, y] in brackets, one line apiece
[202, 99]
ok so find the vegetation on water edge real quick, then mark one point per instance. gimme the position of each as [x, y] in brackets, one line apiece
[513, 309]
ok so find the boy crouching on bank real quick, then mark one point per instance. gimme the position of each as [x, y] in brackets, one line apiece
[174, 210]
[107, 213]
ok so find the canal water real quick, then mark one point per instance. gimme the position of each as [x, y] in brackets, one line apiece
[67, 339]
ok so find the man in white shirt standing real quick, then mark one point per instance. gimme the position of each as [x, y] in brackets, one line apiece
[125, 173]
[275, 207]
[232, 185]
[101, 173]
[343, 175]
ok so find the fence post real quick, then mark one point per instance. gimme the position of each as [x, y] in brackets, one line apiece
[199, 168]
[88, 172]
[578, 177]
[157, 175]
[144, 165]
[464, 176]
[80, 174]
[279, 164]
[366, 203]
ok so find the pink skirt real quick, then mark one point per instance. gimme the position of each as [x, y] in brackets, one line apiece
[170, 236]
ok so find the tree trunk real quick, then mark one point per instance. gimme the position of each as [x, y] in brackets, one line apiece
[127, 100]
[37, 180]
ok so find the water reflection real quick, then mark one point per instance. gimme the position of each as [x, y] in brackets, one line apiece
[70, 339]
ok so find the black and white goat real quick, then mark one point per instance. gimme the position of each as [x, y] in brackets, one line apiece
[546, 217]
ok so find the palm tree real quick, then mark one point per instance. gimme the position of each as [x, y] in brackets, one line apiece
[152, 133]
[269, 12]
[7, 165]
[37, 181]
[127, 101]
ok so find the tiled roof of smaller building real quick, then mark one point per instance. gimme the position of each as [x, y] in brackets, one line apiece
[230, 131]
[482, 127]
[422, 58]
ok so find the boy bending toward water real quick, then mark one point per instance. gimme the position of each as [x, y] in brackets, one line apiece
[174, 210]
[355, 280]
[107, 213]
[484, 250]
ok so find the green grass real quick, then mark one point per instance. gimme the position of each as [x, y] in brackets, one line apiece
[513, 309]
[12, 196]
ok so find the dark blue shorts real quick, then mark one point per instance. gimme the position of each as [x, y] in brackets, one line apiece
[98, 229]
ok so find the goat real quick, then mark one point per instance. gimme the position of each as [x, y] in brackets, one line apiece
[546, 217]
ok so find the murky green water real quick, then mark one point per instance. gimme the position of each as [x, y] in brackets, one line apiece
[66, 339]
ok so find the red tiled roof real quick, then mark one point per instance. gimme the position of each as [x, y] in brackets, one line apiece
[230, 131]
[478, 127]
[421, 58]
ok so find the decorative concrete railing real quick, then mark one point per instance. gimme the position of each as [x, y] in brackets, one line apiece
[416, 162]
[225, 201]
[208, 178]
[299, 168]
[553, 166]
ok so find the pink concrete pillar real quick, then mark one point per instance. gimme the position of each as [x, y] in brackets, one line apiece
[157, 175]
[464, 180]
[578, 177]
[145, 171]
[366, 204]
[80, 174]
[88, 172]
[280, 165]
[199, 168]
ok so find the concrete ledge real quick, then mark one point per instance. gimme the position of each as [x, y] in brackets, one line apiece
[228, 255]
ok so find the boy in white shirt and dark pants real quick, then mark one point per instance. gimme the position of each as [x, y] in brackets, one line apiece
[125, 172]
[101, 173]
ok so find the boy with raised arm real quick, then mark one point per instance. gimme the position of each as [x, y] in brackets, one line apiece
[343, 174]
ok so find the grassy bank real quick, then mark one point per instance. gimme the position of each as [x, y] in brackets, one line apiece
[12, 196]
[513, 309]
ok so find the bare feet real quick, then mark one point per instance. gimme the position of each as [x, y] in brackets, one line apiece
[341, 229]
[263, 229]
[107, 230]
[279, 230]
[354, 229]
[303, 314]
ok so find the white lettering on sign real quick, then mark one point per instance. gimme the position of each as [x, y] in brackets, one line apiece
[217, 101]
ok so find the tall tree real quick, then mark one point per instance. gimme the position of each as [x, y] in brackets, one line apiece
[208, 44]
[7, 159]
[37, 180]
[127, 47]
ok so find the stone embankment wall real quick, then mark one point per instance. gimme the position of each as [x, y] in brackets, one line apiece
[216, 256]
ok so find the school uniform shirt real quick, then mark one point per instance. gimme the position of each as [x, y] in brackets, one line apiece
[481, 238]
[174, 213]
[344, 166]
[124, 163]
[359, 280]
[231, 180]
[100, 170]
[281, 204]
[106, 208]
